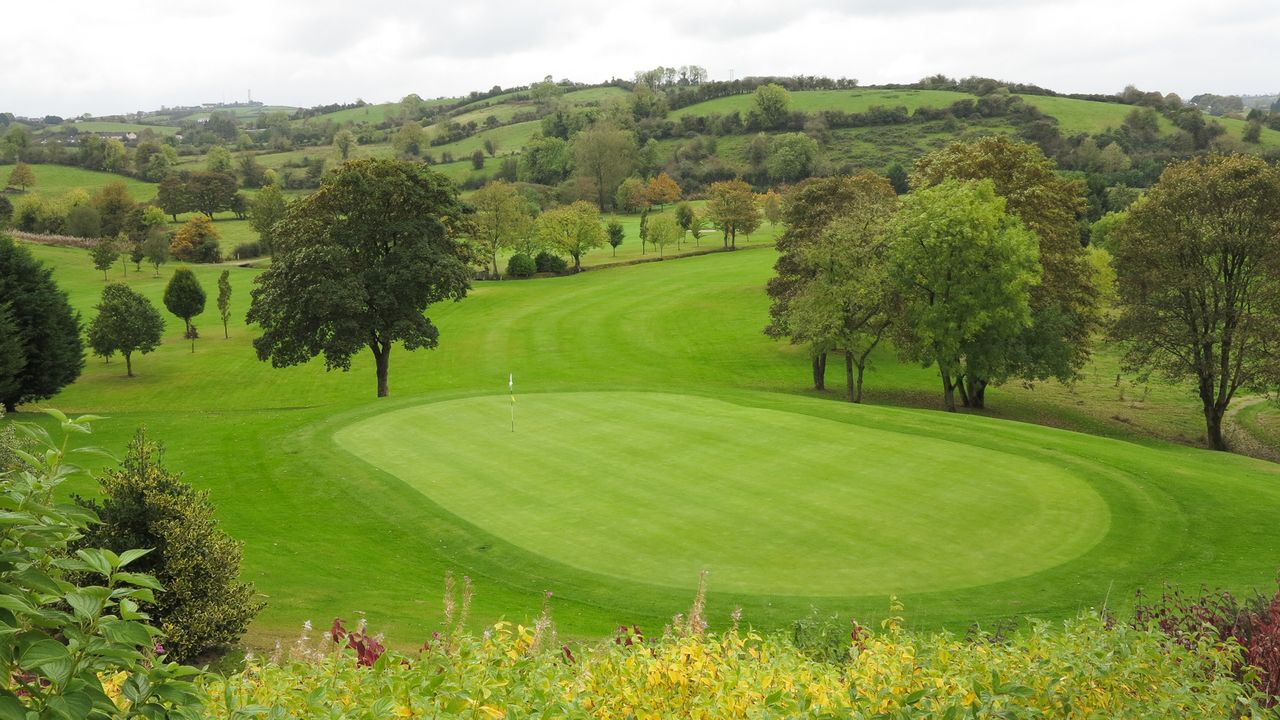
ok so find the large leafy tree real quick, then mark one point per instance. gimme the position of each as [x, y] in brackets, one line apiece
[126, 323]
[211, 192]
[963, 269]
[1198, 275]
[731, 205]
[1064, 307]
[604, 155]
[22, 176]
[48, 330]
[501, 219]
[773, 101]
[358, 263]
[184, 297]
[573, 229]
[265, 211]
[807, 210]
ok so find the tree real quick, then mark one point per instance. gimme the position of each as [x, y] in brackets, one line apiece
[126, 323]
[1198, 276]
[211, 192]
[104, 253]
[477, 159]
[344, 140]
[22, 176]
[114, 204]
[792, 157]
[1064, 306]
[49, 329]
[84, 221]
[204, 605]
[684, 216]
[808, 210]
[267, 209]
[156, 249]
[605, 155]
[898, 179]
[963, 269]
[695, 228]
[184, 297]
[616, 235]
[632, 196]
[771, 202]
[172, 195]
[224, 300]
[663, 230]
[662, 190]
[731, 206]
[773, 101]
[13, 357]
[408, 139]
[501, 219]
[846, 306]
[358, 263]
[196, 241]
[252, 174]
[218, 160]
[573, 229]
[545, 161]
[1252, 132]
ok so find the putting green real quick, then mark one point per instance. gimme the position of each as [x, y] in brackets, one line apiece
[655, 487]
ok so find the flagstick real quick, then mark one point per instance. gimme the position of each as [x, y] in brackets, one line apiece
[511, 387]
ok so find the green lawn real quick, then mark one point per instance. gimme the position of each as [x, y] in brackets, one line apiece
[86, 126]
[56, 180]
[659, 432]
[856, 100]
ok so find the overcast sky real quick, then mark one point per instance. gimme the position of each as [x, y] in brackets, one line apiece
[77, 56]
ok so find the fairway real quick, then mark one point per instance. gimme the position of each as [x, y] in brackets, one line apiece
[653, 488]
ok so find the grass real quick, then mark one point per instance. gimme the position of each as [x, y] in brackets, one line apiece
[57, 180]
[657, 376]
[856, 100]
[85, 126]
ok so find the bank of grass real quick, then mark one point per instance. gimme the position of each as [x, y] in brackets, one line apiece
[57, 180]
[853, 100]
[329, 533]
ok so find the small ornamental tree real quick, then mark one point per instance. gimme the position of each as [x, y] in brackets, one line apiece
[224, 300]
[156, 249]
[684, 216]
[573, 229]
[771, 202]
[184, 297]
[204, 605]
[22, 176]
[126, 323]
[104, 253]
[196, 241]
[662, 190]
[663, 231]
[616, 235]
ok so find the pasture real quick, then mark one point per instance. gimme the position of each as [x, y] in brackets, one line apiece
[856, 100]
[658, 434]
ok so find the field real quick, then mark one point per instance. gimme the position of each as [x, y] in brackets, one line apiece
[86, 126]
[846, 100]
[658, 433]
[56, 180]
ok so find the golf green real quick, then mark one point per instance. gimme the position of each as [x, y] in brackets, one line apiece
[655, 487]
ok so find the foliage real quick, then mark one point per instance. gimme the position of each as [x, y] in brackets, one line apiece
[211, 192]
[22, 176]
[184, 297]
[773, 101]
[156, 250]
[604, 155]
[632, 196]
[77, 644]
[126, 323]
[13, 358]
[684, 216]
[265, 211]
[521, 266]
[196, 241]
[662, 190]
[1064, 304]
[344, 140]
[663, 230]
[224, 301]
[792, 157]
[247, 251]
[1198, 273]
[964, 269]
[1081, 670]
[357, 264]
[616, 235]
[204, 605]
[502, 218]
[546, 262]
[104, 254]
[731, 206]
[573, 229]
[48, 329]
[771, 204]
[84, 221]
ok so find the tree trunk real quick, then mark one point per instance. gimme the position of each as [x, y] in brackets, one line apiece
[857, 396]
[964, 392]
[382, 357]
[577, 262]
[1213, 427]
[733, 244]
[128, 364]
[848, 376]
[978, 393]
[10, 407]
[948, 392]
[226, 334]
[820, 371]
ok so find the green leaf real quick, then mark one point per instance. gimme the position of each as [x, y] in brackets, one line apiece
[72, 706]
[41, 653]
[127, 632]
[138, 579]
[97, 560]
[86, 605]
[11, 708]
[129, 556]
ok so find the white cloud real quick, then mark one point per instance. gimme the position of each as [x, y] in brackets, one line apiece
[140, 54]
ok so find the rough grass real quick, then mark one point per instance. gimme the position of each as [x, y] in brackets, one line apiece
[328, 533]
[56, 180]
[856, 100]
[86, 126]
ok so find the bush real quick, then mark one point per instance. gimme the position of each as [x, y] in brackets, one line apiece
[247, 251]
[548, 263]
[205, 606]
[75, 644]
[521, 266]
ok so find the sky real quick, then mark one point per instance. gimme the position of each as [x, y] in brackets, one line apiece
[116, 57]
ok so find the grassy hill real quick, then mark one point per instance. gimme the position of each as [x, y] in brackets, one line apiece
[56, 180]
[847, 100]
[658, 433]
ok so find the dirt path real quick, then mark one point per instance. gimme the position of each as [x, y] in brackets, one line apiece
[1240, 440]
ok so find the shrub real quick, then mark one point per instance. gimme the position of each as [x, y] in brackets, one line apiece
[73, 649]
[548, 263]
[521, 266]
[247, 251]
[205, 606]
